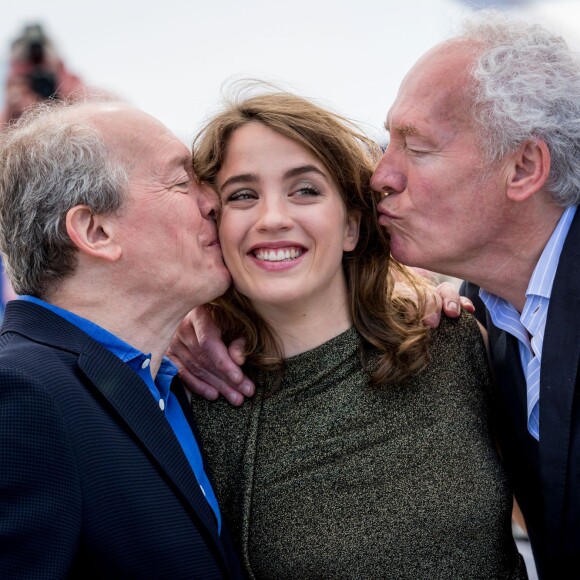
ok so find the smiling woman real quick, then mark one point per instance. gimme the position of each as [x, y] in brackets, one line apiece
[279, 164]
[366, 452]
[283, 231]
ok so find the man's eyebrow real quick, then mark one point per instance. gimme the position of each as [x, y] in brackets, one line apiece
[404, 130]
[408, 130]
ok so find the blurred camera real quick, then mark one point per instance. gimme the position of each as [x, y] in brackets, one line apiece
[33, 48]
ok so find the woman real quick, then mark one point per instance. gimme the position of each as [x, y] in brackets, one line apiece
[366, 451]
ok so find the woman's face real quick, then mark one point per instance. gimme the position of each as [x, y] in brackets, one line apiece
[283, 227]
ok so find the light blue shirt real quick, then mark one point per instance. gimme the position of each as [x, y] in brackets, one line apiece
[532, 321]
[159, 388]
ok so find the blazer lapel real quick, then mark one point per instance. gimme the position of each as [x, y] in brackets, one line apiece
[511, 382]
[132, 400]
[559, 374]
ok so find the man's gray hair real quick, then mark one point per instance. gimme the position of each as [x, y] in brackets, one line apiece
[528, 87]
[49, 163]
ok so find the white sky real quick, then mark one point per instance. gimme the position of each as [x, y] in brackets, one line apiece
[172, 57]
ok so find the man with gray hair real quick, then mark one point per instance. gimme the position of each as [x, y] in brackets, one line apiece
[110, 242]
[481, 182]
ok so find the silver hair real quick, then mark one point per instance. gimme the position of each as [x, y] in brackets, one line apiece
[49, 163]
[527, 88]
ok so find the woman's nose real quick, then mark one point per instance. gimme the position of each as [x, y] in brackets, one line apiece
[274, 215]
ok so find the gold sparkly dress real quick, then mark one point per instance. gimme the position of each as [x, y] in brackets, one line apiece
[332, 478]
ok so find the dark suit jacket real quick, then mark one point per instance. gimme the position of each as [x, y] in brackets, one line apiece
[546, 476]
[93, 482]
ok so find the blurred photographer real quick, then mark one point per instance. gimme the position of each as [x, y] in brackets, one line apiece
[36, 72]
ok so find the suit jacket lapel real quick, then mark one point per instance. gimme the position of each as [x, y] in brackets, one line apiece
[559, 373]
[132, 400]
[508, 373]
[124, 390]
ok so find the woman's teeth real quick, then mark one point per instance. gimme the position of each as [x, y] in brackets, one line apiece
[277, 255]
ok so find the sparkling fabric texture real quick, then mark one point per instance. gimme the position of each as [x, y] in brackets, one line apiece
[332, 478]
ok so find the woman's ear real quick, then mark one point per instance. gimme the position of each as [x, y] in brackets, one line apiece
[92, 233]
[530, 167]
[351, 231]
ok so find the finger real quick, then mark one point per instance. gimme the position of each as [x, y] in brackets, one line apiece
[467, 304]
[210, 392]
[449, 296]
[192, 384]
[196, 387]
[200, 380]
[203, 389]
[237, 351]
[206, 357]
[214, 358]
[233, 396]
[433, 319]
[238, 355]
[207, 372]
[212, 353]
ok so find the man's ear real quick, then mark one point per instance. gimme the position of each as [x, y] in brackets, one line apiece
[529, 170]
[351, 231]
[92, 233]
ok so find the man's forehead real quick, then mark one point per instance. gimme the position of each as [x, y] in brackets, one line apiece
[100, 114]
[436, 89]
[134, 135]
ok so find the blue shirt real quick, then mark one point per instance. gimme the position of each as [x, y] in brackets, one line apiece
[529, 327]
[159, 388]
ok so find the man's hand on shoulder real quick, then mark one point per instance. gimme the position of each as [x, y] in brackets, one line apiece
[206, 366]
[447, 300]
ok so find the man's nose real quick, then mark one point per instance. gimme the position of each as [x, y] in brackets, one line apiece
[208, 202]
[387, 177]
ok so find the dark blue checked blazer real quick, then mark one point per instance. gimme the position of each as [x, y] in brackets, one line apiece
[93, 482]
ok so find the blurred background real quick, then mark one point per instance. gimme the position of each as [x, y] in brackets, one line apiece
[172, 57]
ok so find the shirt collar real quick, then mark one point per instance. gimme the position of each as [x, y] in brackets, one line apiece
[127, 353]
[544, 273]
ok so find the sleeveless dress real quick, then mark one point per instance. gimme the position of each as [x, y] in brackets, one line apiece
[330, 477]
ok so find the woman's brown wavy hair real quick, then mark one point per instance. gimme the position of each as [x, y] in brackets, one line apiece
[389, 321]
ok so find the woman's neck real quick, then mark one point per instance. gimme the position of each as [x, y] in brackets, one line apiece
[302, 327]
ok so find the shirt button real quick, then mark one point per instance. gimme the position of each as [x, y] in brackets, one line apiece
[162, 404]
[145, 363]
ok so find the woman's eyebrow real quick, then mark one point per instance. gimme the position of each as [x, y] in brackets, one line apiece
[294, 172]
[242, 178]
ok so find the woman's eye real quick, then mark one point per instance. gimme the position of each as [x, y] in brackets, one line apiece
[241, 195]
[308, 191]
